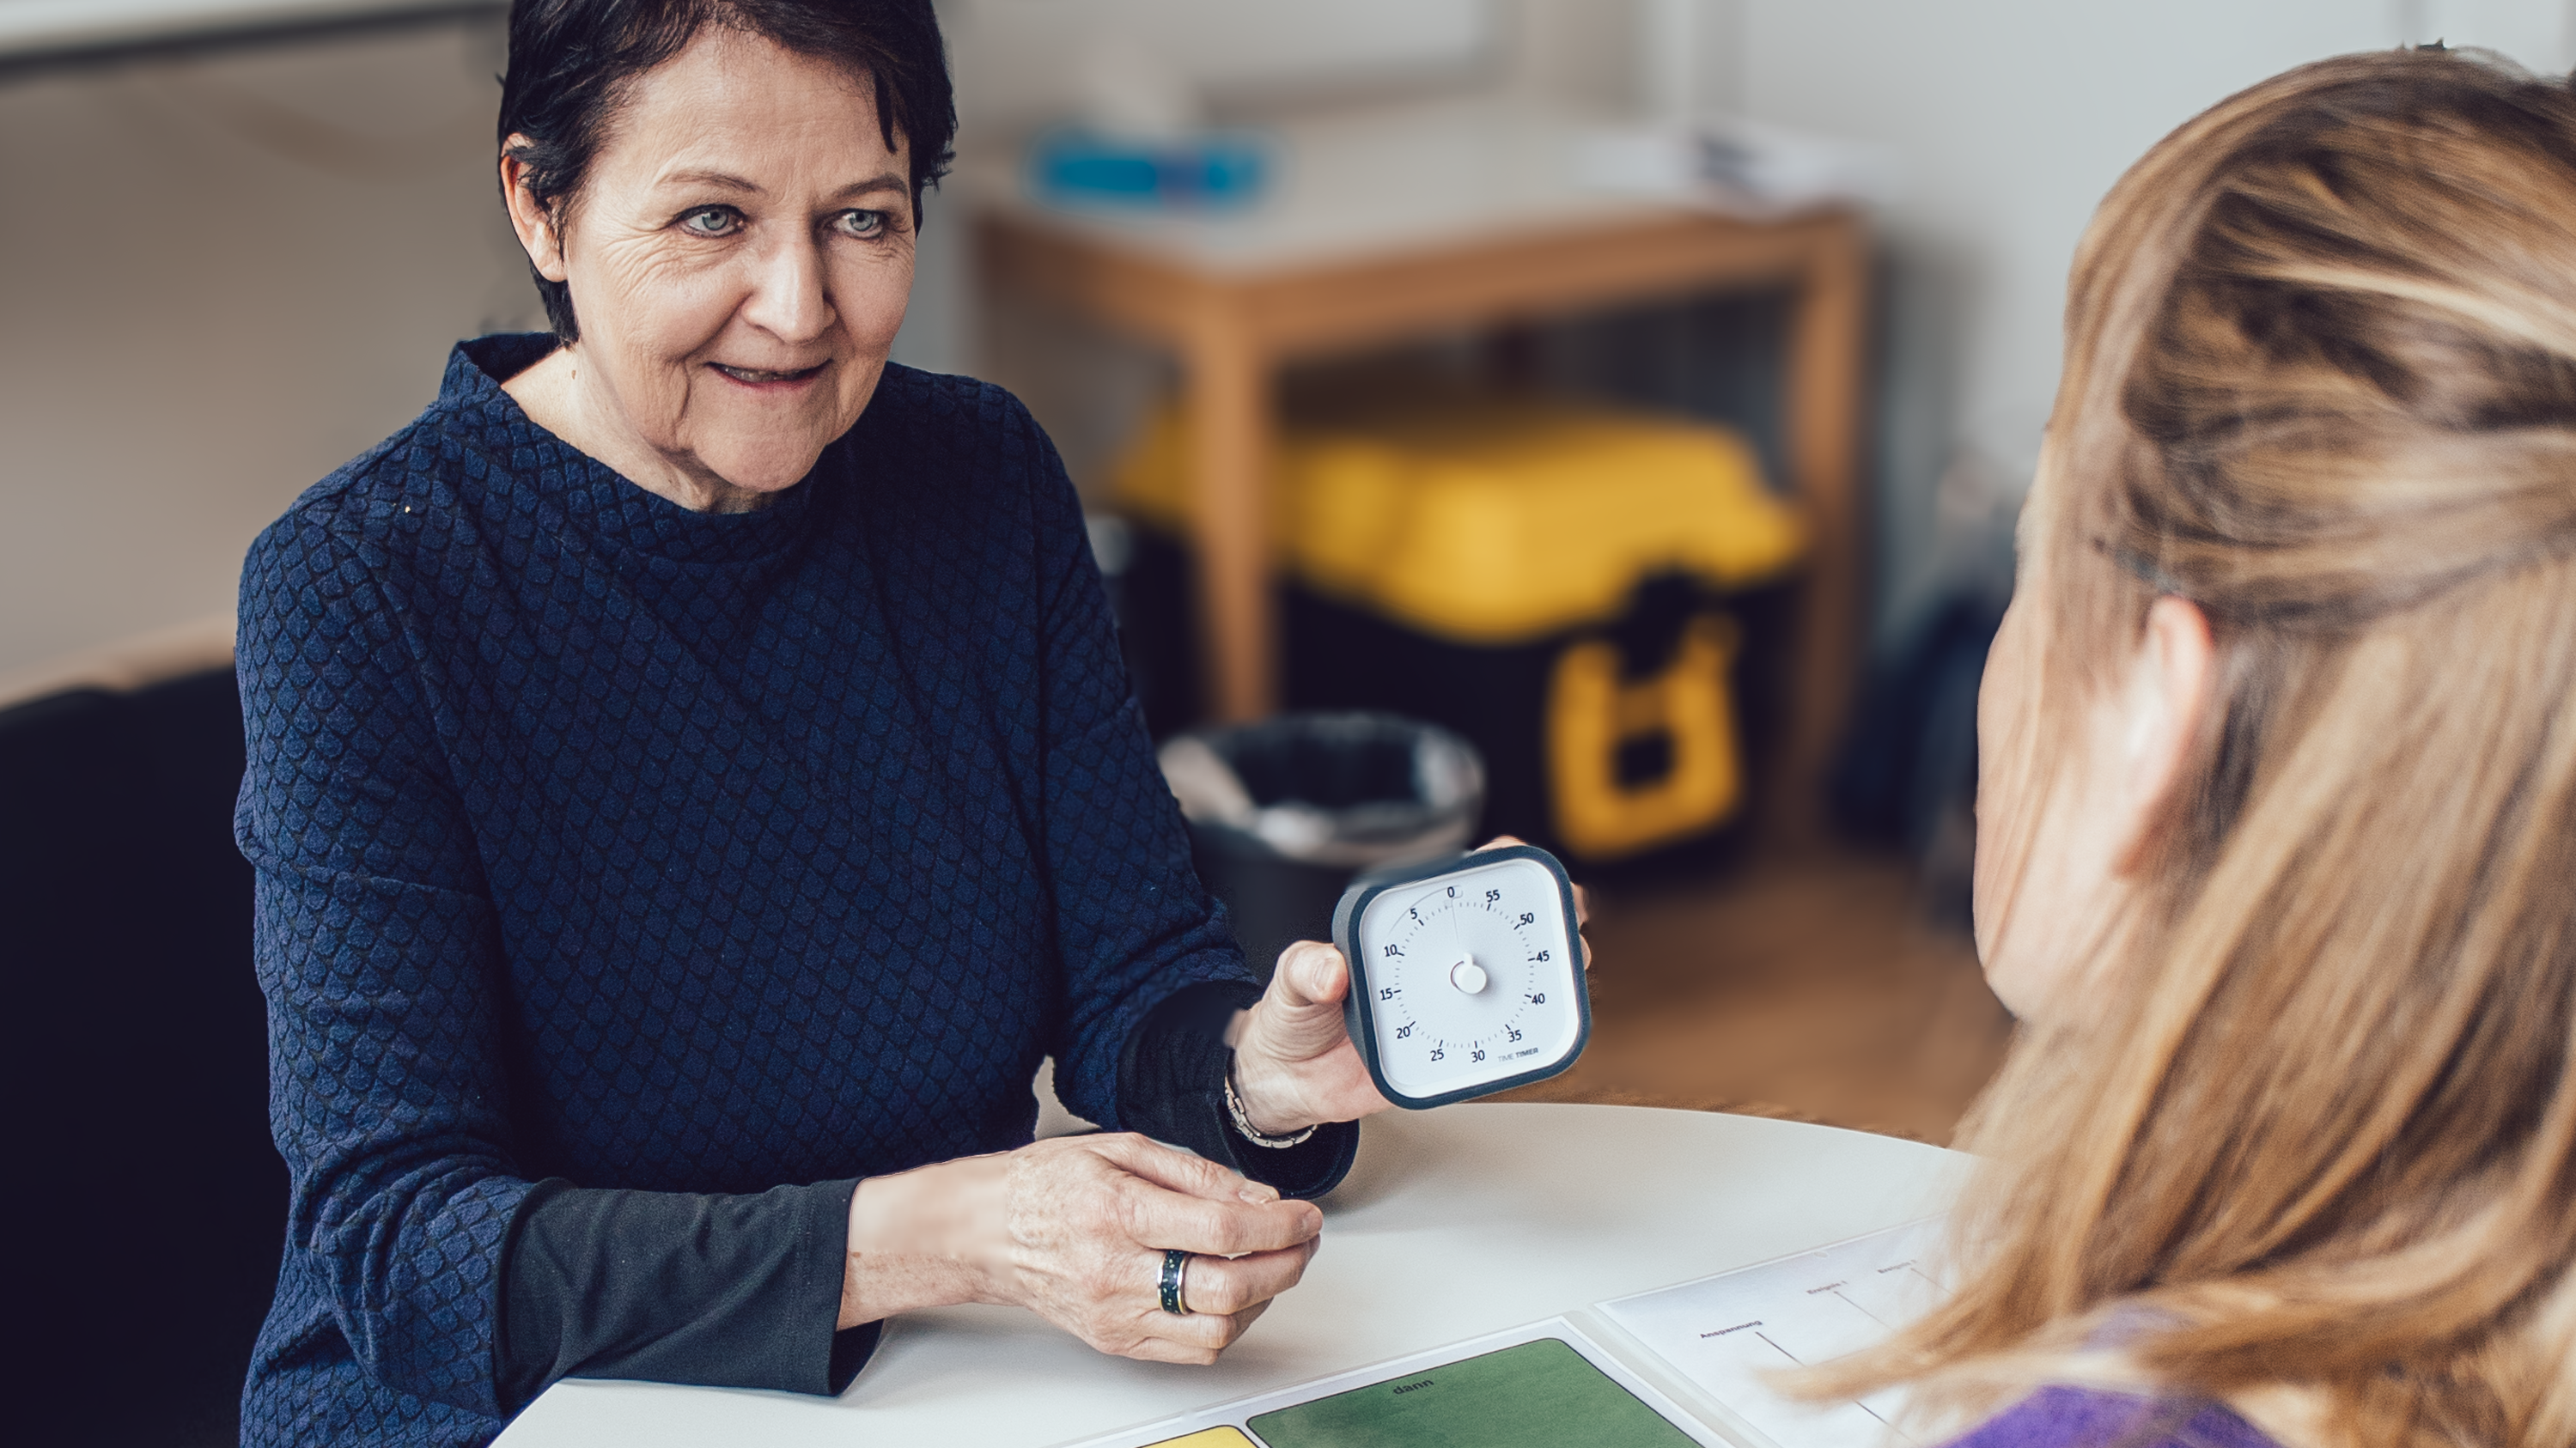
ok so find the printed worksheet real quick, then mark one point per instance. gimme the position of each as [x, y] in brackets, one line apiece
[1542, 1386]
[1722, 1334]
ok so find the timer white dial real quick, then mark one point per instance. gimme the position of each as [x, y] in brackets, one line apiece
[1466, 975]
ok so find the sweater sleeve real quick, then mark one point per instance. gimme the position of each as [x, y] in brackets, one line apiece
[377, 947]
[1132, 924]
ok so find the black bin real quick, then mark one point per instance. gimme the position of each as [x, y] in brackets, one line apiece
[1283, 813]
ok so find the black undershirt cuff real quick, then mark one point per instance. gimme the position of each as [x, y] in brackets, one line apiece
[738, 1291]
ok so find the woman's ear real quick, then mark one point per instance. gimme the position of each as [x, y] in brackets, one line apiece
[2168, 684]
[529, 217]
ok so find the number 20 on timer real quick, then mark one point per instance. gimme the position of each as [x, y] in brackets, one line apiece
[1466, 974]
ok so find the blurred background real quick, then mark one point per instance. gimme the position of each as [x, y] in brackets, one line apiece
[1639, 390]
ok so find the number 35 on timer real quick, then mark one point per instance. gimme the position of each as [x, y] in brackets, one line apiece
[1466, 974]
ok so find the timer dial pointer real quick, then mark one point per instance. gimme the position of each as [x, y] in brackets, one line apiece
[1466, 975]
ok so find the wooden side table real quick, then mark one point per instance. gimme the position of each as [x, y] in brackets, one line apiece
[1414, 222]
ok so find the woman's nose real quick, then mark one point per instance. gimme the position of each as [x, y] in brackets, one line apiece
[788, 298]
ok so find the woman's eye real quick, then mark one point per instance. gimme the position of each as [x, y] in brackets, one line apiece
[710, 221]
[862, 223]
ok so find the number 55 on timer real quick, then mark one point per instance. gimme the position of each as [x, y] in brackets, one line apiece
[1466, 974]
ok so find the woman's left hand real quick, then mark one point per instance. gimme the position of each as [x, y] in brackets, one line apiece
[1294, 1063]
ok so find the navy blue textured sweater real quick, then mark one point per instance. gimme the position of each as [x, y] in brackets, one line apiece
[603, 841]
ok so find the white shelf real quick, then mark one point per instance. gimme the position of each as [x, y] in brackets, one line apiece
[1375, 181]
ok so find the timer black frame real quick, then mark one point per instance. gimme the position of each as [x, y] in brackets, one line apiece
[1362, 1022]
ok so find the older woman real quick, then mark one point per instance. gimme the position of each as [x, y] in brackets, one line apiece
[693, 785]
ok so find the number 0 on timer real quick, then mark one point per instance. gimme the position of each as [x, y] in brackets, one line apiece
[1466, 975]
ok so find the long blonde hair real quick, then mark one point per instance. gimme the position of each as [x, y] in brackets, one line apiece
[2309, 1128]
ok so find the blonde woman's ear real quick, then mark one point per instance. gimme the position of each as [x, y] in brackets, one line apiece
[2168, 684]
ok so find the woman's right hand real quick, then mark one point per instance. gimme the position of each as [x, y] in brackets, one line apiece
[1074, 1229]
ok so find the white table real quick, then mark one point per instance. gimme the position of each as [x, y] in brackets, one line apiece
[1457, 1222]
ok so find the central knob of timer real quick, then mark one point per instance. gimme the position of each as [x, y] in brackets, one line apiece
[1467, 976]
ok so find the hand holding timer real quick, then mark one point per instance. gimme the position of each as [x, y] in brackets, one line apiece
[1466, 974]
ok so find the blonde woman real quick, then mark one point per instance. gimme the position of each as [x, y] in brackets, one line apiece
[2279, 858]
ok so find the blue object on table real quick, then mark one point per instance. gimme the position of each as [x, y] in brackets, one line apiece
[1207, 170]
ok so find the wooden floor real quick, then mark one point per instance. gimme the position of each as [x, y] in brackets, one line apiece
[1809, 987]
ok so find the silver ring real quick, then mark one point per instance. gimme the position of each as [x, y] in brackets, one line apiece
[1175, 1283]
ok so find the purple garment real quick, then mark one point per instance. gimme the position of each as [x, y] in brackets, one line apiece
[2060, 1417]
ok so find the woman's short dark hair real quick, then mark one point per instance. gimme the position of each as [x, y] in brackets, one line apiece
[573, 61]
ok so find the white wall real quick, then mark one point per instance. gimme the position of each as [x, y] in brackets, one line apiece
[2012, 118]
[227, 275]
[53, 26]
[224, 277]
[1032, 61]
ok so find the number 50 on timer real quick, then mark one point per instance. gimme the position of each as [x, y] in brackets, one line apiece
[1466, 974]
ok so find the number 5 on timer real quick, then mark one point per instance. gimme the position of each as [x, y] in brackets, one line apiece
[1466, 974]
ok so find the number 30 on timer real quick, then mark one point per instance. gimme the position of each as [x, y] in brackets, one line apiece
[1466, 974]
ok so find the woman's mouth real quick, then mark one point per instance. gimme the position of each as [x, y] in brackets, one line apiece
[759, 377]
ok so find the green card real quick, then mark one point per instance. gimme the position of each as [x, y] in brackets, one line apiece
[1539, 1394]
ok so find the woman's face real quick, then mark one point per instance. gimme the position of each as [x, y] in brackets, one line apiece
[2068, 797]
[2013, 942]
[2044, 780]
[738, 256]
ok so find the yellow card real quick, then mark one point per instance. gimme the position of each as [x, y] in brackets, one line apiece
[1207, 1438]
